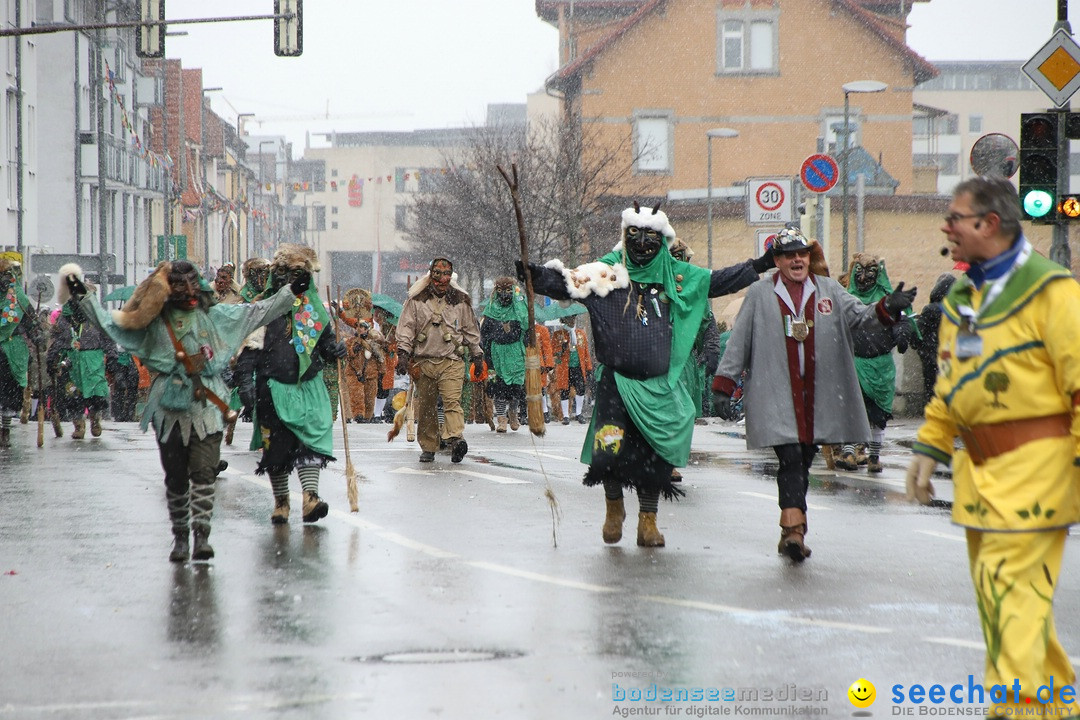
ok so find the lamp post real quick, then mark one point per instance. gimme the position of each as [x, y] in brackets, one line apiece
[856, 86]
[262, 235]
[710, 134]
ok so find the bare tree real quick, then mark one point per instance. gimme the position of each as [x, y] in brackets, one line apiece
[572, 180]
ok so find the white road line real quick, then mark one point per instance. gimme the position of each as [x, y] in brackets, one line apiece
[411, 471]
[546, 455]
[773, 498]
[529, 575]
[947, 536]
[501, 479]
[771, 615]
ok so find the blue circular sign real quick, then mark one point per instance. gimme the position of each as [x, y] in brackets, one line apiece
[819, 173]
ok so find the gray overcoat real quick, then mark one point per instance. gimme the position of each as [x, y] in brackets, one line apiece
[757, 344]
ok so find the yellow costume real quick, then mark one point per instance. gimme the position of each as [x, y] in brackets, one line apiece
[1008, 383]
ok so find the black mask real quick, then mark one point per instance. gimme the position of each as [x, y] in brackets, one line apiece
[504, 297]
[184, 286]
[6, 281]
[865, 277]
[642, 244]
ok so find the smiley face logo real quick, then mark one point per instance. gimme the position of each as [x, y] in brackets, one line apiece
[862, 693]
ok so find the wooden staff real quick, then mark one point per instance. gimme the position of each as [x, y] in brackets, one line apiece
[40, 376]
[533, 383]
[350, 471]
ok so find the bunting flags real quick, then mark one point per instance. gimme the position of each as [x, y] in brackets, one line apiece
[136, 142]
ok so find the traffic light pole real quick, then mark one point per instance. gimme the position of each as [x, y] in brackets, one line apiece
[1059, 246]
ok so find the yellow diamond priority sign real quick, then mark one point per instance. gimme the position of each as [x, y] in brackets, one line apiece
[1056, 68]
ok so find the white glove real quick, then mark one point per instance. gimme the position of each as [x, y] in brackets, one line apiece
[919, 486]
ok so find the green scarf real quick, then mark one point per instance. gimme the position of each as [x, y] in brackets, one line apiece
[309, 321]
[12, 308]
[249, 292]
[661, 407]
[508, 359]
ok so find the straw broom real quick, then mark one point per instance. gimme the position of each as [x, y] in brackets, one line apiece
[533, 384]
[350, 471]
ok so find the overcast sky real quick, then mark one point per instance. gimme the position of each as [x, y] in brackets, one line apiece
[408, 64]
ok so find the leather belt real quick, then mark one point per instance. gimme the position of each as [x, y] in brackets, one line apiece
[984, 442]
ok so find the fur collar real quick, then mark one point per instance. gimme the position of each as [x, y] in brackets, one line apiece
[595, 278]
[454, 295]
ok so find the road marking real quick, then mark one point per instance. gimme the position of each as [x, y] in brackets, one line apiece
[547, 455]
[529, 575]
[947, 536]
[768, 614]
[412, 471]
[773, 498]
[501, 479]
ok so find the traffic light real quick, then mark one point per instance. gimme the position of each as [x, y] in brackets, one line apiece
[1070, 207]
[151, 38]
[288, 32]
[1039, 166]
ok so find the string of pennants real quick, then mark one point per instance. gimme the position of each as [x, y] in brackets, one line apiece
[356, 180]
[125, 120]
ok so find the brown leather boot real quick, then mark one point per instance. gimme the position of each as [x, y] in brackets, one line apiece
[846, 461]
[514, 422]
[502, 424]
[181, 549]
[616, 513]
[648, 535]
[95, 424]
[280, 515]
[314, 507]
[80, 429]
[792, 532]
[873, 464]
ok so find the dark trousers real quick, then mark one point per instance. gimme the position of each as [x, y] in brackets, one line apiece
[793, 477]
[190, 471]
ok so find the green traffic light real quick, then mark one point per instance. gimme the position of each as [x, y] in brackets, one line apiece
[1038, 203]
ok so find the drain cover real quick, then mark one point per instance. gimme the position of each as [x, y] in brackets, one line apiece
[439, 656]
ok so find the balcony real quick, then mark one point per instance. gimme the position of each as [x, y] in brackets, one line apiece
[122, 164]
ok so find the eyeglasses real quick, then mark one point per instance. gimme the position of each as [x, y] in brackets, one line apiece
[952, 218]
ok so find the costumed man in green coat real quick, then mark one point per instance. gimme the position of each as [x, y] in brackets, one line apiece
[646, 309]
[17, 324]
[173, 326]
[869, 282]
[77, 359]
[502, 336]
[293, 417]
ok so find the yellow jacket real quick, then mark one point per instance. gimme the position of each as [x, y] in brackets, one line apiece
[1029, 367]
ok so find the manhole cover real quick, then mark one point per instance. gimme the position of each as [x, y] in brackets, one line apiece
[439, 656]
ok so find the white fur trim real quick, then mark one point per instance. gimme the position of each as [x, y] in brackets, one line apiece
[418, 286]
[646, 218]
[591, 278]
[255, 339]
[62, 292]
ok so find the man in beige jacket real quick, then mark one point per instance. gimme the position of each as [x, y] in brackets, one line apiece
[437, 328]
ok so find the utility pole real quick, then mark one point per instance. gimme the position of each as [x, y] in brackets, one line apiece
[1059, 245]
[19, 213]
[102, 165]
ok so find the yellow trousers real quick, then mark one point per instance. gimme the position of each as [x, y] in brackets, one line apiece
[1015, 575]
[439, 377]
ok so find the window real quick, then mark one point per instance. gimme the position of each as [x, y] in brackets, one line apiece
[333, 173]
[747, 41]
[333, 209]
[401, 213]
[652, 144]
[975, 123]
[333, 225]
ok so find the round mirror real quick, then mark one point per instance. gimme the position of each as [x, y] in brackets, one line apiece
[42, 288]
[995, 154]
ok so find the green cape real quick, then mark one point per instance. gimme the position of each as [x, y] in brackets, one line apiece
[661, 407]
[508, 359]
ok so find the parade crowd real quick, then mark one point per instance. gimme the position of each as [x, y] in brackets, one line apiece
[630, 350]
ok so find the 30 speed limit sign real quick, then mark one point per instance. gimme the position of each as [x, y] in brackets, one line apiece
[769, 200]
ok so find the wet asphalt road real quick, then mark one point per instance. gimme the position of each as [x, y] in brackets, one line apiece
[454, 594]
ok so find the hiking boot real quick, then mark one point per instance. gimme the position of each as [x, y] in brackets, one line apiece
[80, 429]
[613, 522]
[95, 424]
[648, 535]
[514, 422]
[792, 533]
[280, 514]
[502, 425]
[181, 549]
[873, 464]
[847, 462]
[458, 452]
[427, 456]
[201, 549]
[314, 507]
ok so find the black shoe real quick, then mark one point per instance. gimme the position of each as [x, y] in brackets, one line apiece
[201, 549]
[460, 448]
[181, 549]
[222, 466]
[566, 420]
[582, 420]
[427, 456]
[547, 417]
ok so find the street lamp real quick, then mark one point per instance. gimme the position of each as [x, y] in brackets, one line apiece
[856, 86]
[710, 134]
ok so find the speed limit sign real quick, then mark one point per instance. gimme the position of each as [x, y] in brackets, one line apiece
[769, 200]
